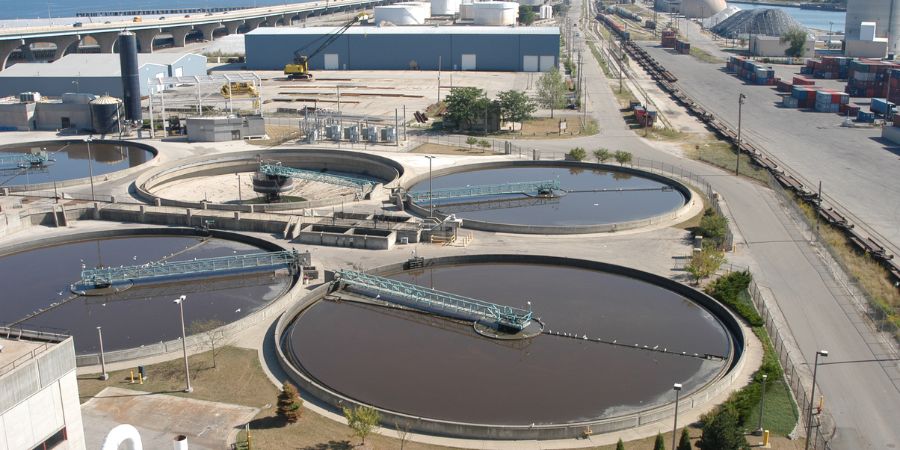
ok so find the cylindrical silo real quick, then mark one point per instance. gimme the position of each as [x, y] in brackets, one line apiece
[495, 13]
[131, 83]
[105, 114]
[701, 9]
[402, 13]
[885, 14]
[444, 7]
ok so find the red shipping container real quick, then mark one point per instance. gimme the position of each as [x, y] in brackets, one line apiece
[803, 81]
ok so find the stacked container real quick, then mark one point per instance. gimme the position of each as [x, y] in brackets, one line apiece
[830, 101]
[849, 109]
[682, 47]
[869, 78]
[751, 71]
[829, 67]
[804, 97]
[668, 38]
[894, 86]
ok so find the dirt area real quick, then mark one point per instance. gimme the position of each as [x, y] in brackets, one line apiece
[546, 127]
[224, 189]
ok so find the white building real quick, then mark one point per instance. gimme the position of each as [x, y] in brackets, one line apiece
[39, 405]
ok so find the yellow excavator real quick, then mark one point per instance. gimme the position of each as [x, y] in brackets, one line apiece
[238, 88]
[299, 69]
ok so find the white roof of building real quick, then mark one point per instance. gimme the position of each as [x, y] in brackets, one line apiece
[415, 29]
[87, 65]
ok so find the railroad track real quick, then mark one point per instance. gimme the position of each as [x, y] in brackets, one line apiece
[861, 236]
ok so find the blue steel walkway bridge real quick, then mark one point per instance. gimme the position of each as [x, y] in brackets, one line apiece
[532, 188]
[23, 160]
[434, 301]
[124, 277]
[312, 175]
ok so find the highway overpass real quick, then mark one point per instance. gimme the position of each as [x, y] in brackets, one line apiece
[66, 39]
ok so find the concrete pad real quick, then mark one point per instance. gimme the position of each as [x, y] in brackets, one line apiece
[160, 418]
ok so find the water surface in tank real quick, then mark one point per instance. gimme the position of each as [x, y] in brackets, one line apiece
[70, 161]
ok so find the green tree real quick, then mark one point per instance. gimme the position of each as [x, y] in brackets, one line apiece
[526, 15]
[465, 106]
[705, 262]
[684, 443]
[289, 403]
[577, 153]
[484, 144]
[209, 334]
[721, 432]
[515, 106]
[659, 444]
[362, 420]
[551, 90]
[796, 40]
[622, 157]
[620, 445]
[471, 140]
[601, 154]
[713, 227]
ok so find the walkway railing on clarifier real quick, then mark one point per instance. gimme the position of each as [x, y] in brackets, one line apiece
[312, 175]
[151, 272]
[522, 187]
[435, 301]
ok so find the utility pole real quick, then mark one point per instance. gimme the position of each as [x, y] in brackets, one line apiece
[737, 166]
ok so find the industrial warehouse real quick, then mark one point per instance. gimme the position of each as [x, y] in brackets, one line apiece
[604, 223]
[481, 48]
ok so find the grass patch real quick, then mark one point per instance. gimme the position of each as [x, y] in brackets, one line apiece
[781, 412]
[238, 378]
[705, 56]
[869, 274]
[440, 149]
[723, 154]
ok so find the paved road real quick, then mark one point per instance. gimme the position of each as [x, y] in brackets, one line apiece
[857, 169]
[862, 397]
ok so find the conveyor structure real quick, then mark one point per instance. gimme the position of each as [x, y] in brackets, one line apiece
[434, 301]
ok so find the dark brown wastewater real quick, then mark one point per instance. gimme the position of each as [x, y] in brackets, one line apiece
[426, 366]
[36, 279]
[71, 161]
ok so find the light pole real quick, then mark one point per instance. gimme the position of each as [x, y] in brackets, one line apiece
[762, 405]
[430, 198]
[737, 166]
[87, 141]
[240, 196]
[812, 396]
[103, 376]
[187, 371]
[677, 387]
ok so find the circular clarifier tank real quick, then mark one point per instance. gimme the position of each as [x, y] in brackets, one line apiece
[41, 298]
[586, 197]
[323, 178]
[68, 162]
[613, 342]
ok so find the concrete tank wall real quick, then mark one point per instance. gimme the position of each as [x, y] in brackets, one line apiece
[444, 7]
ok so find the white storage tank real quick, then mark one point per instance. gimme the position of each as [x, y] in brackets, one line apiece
[495, 13]
[400, 14]
[546, 12]
[444, 7]
[466, 11]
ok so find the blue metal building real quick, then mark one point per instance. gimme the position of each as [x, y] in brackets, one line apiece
[503, 49]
